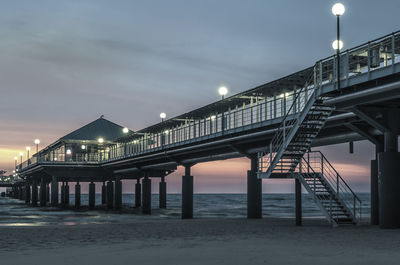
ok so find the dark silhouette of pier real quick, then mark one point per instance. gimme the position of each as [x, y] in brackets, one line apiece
[275, 125]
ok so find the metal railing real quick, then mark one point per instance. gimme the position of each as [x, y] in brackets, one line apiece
[380, 53]
[315, 162]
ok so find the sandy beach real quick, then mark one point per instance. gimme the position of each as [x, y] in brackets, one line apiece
[201, 241]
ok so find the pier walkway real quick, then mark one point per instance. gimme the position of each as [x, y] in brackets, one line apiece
[275, 125]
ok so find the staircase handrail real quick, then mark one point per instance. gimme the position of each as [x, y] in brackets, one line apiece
[279, 137]
[339, 176]
[336, 182]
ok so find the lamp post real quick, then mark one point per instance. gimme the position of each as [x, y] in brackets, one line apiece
[37, 142]
[27, 153]
[338, 9]
[163, 116]
[15, 161]
[20, 155]
[222, 91]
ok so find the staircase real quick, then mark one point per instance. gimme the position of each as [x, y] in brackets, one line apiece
[301, 124]
[330, 192]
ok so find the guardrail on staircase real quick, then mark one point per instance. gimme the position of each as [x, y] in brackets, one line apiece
[315, 162]
[301, 99]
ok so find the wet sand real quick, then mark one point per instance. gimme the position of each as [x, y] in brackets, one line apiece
[199, 241]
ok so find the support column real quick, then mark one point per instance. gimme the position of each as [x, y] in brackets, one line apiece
[379, 148]
[54, 191]
[389, 179]
[23, 192]
[118, 194]
[27, 193]
[34, 193]
[104, 193]
[254, 192]
[20, 192]
[163, 194]
[92, 195]
[146, 195]
[43, 192]
[298, 202]
[110, 195]
[138, 193]
[66, 194]
[47, 192]
[187, 194]
[63, 194]
[77, 195]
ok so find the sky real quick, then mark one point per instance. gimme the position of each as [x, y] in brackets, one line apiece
[63, 63]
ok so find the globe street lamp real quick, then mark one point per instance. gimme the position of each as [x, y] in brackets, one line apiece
[37, 142]
[222, 91]
[338, 10]
[27, 153]
[163, 116]
[125, 130]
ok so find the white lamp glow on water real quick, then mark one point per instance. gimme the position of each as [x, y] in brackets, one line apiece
[335, 44]
[338, 9]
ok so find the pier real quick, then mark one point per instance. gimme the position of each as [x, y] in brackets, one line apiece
[277, 126]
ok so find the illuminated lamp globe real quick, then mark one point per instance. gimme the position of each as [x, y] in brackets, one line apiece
[338, 9]
[335, 44]
[222, 91]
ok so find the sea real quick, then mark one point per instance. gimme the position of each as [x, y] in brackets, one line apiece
[14, 212]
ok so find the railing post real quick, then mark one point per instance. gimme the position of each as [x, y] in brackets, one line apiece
[330, 207]
[284, 132]
[257, 109]
[243, 107]
[322, 165]
[265, 108]
[235, 123]
[369, 60]
[354, 206]
[337, 184]
[393, 52]
[294, 101]
[320, 74]
[284, 104]
[315, 77]
[251, 112]
[270, 152]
